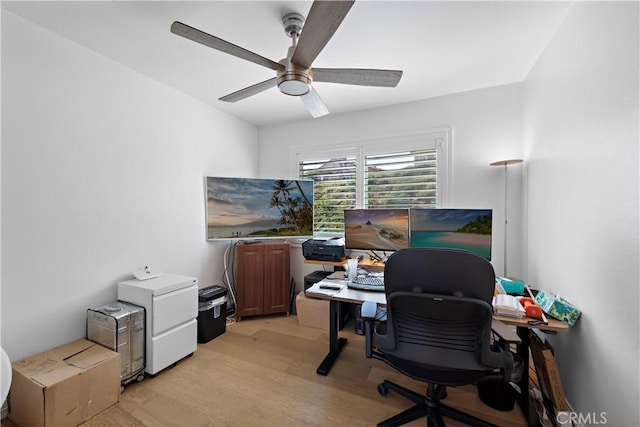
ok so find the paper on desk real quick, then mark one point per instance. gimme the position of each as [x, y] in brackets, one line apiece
[316, 289]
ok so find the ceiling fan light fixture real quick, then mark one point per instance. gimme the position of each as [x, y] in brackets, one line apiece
[294, 82]
[294, 87]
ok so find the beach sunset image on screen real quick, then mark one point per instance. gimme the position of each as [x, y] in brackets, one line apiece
[467, 229]
[376, 229]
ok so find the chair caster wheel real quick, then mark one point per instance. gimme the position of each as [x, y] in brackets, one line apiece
[383, 389]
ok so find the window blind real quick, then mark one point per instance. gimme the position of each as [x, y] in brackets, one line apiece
[334, 190]
[400, 179]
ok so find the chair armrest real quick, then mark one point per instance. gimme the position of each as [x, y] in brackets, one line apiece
[502, 358]
[368, 310]
[505, 333]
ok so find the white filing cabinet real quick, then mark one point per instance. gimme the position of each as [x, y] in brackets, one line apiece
[171, 304]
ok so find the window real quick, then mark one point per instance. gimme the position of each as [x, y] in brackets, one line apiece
[396, 173]
[334, 190]
[402, 179]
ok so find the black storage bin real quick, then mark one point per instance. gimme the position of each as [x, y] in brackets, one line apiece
[315, 277]
[212, 312]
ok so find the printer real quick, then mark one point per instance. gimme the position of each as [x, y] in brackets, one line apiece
[324, 250]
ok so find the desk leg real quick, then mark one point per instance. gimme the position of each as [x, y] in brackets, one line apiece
[523, 400]
[335, 343]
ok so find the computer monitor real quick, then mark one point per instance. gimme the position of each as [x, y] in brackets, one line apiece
[468, 229]
[376, 229]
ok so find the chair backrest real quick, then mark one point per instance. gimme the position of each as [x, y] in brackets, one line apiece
[439, 308]
[440, 271]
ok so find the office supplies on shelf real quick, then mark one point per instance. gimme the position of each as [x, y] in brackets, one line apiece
[511, 286]
[557, 307]
[325, 288]
[507, 305]
[367, 283]
[531, 309]
[542, 317]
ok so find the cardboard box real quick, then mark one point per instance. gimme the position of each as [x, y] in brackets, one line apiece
[312, 312]
[64, 386]
[548, 375]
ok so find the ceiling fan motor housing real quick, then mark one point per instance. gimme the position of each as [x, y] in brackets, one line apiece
[293, 80]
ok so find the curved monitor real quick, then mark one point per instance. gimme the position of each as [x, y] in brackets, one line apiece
[376, 229]
[467, 229]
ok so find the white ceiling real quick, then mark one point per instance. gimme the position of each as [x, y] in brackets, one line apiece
[442, 47]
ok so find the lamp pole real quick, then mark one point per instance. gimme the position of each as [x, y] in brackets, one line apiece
[505, 163]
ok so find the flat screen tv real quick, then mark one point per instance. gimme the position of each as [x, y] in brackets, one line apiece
[376, 229]
[468, 229]
[258, 208]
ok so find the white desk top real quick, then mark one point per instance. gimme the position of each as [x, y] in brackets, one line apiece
[352, 295]
[344, 294]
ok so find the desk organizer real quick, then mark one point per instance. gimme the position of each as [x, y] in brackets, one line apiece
[557, 307]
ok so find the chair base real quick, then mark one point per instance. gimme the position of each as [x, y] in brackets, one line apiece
[427, 405]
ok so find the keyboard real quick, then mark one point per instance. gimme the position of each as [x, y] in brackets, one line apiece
[367, 283]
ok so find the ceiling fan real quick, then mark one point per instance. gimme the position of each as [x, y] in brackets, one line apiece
[294, 74]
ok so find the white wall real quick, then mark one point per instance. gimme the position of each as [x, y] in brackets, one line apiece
[102, 173]
[581, 145]
[486, 126]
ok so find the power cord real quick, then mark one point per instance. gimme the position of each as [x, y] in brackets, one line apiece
[229, 282]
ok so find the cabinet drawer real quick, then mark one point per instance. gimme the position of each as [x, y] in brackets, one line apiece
[174, 308]
[171, 346]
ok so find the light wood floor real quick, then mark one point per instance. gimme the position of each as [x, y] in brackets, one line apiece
[262, 372]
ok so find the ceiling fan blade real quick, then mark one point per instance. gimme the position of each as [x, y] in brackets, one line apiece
[249, 91]
[357, 76]
[322, 22]
[223, 46]
[315, 104]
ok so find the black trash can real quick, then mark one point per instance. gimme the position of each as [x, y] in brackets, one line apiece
[212, 312]
[497, 393]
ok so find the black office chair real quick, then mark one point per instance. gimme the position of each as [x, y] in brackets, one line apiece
[438, 329]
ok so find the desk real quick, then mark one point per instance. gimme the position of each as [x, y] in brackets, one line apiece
[367, 263]
[523, 331]
[335, 297]
[345, 294]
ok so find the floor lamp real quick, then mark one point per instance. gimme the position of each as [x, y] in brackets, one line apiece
[505, 163]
